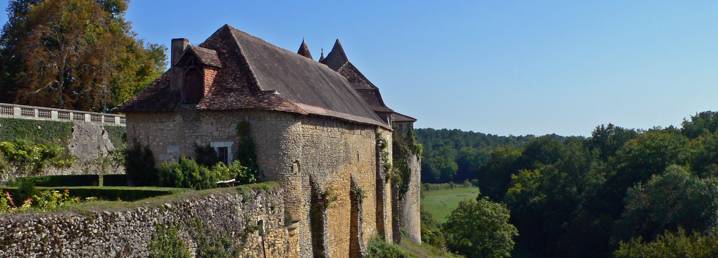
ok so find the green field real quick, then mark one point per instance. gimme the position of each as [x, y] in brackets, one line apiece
[440, 203]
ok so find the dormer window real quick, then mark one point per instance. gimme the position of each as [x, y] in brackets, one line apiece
[199, 67]
[193, 85]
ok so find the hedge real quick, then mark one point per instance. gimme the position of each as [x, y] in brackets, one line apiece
[113, 193]
[64, 180]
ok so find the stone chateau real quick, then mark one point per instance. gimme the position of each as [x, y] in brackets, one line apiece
[321, 130]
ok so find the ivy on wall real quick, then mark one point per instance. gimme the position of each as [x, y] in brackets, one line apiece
[246, 150]
[403, 148]
[45, 132]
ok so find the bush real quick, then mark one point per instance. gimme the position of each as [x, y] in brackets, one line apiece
[672, 244]
[378, 248]
[102, 193]
[480, 228]
[140, 166]
[188, 173]
[431, 232]
[31, 158]
[63, 180]
[114, 180]
[236, 170]
[166, 242]
[205, 155]
[40, 200]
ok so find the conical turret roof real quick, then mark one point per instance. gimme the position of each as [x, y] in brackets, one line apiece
[304, 50]
[337, 57]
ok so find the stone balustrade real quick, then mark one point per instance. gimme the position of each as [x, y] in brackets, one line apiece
[56, 114]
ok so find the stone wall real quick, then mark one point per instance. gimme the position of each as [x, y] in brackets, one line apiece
[250, 217]
[89, 143]
[305, 154]
[411, 203]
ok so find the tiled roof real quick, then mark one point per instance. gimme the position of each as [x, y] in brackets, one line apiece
[397, 117]
[258, 75]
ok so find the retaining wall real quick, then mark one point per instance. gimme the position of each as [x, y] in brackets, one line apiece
[250, 217]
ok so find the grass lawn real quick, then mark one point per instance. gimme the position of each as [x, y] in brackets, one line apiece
[440, 203]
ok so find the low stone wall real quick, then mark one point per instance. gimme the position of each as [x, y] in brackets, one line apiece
[250, 218]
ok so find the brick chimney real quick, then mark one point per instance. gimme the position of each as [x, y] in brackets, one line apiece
[179, 45]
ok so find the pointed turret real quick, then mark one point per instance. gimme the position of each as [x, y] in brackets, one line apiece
[336, 58]
[304, 50]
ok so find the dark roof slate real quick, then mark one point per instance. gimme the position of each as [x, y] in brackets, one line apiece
[337, 57]
[398, 117]
[304, 50]
[204, 55]
[258, 75]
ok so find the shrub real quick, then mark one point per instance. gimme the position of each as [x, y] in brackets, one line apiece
[672, 244]
[205, 155]
[188, 173]
[140, 166]
[40, 200]
[431, 232]
[378, 248]
[166, 242]
[62, 180]
[236, 170]
[480, 229]
[31, 158]
[53, 199]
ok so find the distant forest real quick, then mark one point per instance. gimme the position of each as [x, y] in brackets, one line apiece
[620, 192]
[456, 156]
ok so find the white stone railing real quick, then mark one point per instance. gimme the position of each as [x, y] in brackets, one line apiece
[56, 114]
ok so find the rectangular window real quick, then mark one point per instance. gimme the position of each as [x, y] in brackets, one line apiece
[223, 150]
[223, 154]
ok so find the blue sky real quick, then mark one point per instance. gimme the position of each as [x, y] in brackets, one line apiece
[502, 67]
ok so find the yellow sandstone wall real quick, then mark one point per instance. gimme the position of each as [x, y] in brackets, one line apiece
[300, 153]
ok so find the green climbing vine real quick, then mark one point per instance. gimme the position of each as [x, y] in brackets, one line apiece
[404, 147]
[246, 151]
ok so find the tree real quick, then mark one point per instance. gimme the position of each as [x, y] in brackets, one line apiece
[666, 202]
[495, 176]
[480, 228]
[670, 244]
[703, 122]
[608, 139]
[78, 54]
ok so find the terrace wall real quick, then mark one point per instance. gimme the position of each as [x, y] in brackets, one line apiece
[251, 217]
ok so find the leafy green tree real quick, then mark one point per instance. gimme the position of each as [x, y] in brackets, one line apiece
[671, 244]
[606, 140]
[666, 202]
[78, 54]
[703, 122]
[480, 228]
[431, 232]
[495, 176]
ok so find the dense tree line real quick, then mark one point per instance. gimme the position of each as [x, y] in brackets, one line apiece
[620, 192]
[77, 54]
[455, 155]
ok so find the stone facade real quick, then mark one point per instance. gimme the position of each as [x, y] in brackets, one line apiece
[306, 155]
[252, 218]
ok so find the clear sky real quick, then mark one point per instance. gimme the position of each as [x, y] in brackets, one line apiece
[502, 67]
